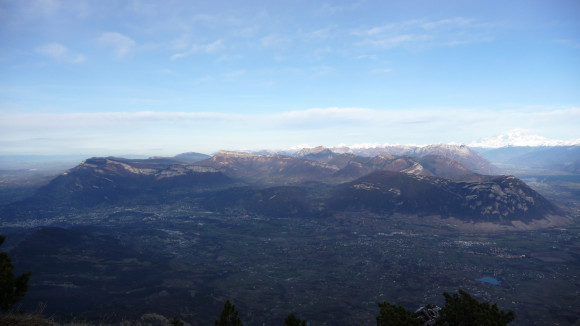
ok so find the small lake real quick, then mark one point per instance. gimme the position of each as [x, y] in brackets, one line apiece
[490, 280]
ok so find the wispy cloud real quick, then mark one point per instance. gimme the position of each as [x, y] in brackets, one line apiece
[457, 22]
[43, 7]
[319, 71]
[275, 41]
[332, 9]
[423, 33]
[180, 43]
[248, 31]
[109, 120]
[60, 52]
[460, 118]
[395, 41]
[231, 76]
[366, 57]
[201, 48]
[571, 43]
[121, 45]
[322, 34]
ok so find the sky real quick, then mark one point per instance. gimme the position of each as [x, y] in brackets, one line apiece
[108, 77]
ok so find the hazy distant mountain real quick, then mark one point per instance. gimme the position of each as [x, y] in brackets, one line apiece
[192, 157]
[39, 162]
[556, 158]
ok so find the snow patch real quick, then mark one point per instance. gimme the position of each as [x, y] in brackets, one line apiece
[521, 137]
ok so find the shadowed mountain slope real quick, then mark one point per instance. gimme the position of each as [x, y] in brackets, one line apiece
[111, 181]
[497, 199]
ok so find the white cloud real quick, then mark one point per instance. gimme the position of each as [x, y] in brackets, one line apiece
[388, 28]
[333, 113]
[209, 131]
[201, 48]
[60, 52]
[395, 41]
[119, 43]
[453, 23]
[366, 57]
[422, 33]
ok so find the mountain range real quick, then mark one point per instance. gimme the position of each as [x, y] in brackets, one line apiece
[460, 153]
[313, 183]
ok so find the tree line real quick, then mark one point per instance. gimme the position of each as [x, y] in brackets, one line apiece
[460, 309]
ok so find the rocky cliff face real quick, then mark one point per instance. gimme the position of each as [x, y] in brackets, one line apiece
[498, 199]
[122, 167]
[460, 153]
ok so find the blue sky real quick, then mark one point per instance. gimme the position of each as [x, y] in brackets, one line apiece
[163, 77]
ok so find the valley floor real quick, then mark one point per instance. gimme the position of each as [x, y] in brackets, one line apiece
[181, 261]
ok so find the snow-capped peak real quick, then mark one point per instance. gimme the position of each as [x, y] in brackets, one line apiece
[521, 137]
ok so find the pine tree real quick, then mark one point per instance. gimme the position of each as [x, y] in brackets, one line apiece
[12, 288]
[392, 315]
[462, 310]
[292, 320]
[229, 316]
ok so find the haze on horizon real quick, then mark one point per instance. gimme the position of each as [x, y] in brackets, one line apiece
[161, 78]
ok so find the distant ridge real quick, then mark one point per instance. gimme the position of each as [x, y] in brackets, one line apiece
[268, 169]
[564, 159]
[461, 153]
[191, 157]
